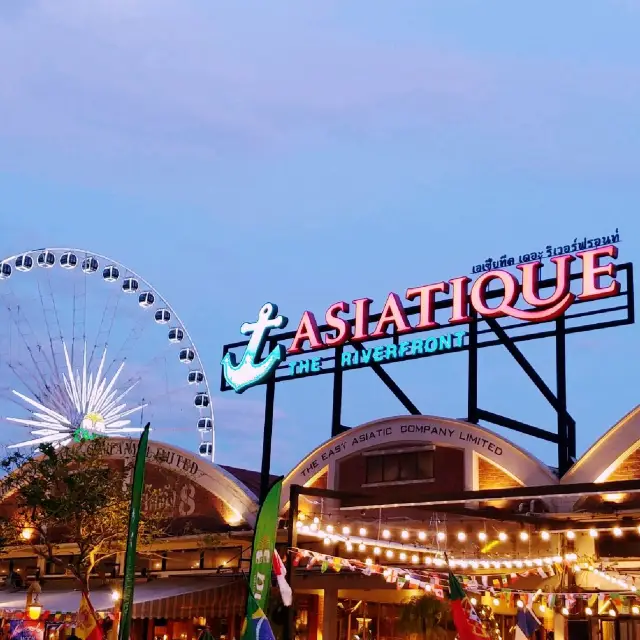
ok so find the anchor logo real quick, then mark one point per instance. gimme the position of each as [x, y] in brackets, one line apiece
[248, 372]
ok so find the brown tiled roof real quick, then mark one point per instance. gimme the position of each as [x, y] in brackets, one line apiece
[250, 479]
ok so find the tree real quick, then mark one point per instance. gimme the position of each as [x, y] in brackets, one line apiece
[75, 495]
[425, 615]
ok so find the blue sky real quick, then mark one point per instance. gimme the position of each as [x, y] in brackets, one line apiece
[304, 153]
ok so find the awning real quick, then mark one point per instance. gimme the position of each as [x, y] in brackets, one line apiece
[170, 598]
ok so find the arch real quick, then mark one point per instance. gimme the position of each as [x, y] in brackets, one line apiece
[608, 452]
[475, 440]
[240, 500]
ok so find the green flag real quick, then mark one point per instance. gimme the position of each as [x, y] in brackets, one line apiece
[132, 537]
[264, 543]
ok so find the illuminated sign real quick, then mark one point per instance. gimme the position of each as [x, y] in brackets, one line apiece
[464, 297]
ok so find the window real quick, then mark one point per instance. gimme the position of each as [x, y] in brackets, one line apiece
[399, 466]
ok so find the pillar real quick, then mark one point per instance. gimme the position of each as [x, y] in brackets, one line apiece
[559, 626]
[329, 613]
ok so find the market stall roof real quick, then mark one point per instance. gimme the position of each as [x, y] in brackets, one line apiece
[162, 598]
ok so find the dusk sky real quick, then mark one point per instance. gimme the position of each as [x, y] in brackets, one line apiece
[308, 152]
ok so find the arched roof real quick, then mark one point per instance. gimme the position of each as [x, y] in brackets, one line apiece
[608, 451]
[213, 478]
[525, 468]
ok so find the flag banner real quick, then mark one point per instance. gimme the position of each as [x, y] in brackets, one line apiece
[264, 543]
[87, 624]
[465, 618]
[137, 488]
[526, 624]
[281, 576]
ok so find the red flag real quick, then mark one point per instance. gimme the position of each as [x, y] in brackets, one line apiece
[281, 576]
[468, 625]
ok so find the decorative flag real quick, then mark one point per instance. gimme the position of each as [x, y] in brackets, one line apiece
[264, 543]
[132, 537]
[465, 618]
[257, 626]
[526, 624]
[281, 576]
[87, 625]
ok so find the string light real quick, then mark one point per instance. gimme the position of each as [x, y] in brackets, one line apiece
[405, 534]
[403, 556]
[635, 609]
[612, 613]
[376, 551]
[542, 608]
[415, 559]
[588, 611]
[462, 536]
[545, 535]
[571, 535]
[524, 536]
[565, 611]
[593, 532]
[389, 553]
[496, 602]
[363, 531]
[617, 532]
[386, 534]
[327, 540]
[329, 528]
[316, 520]
[520, 604]
[346, 531]
[422, 536]
[349, 546]
[482, 536]
[502, 536]
[442, 536]
[474, 602]
[362, 547]
[313, 526]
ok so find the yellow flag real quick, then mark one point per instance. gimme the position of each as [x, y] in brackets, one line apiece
[87, 625]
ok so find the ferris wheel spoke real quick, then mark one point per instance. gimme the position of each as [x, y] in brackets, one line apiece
[106, 323]
[47, 313]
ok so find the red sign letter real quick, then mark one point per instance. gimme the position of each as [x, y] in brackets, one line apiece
[556, 304]
[392, 313]
[592, 271]
[427, 293]
[361, 328]
[459, 300]
[307, 330]
[343, 330]
[479, 294]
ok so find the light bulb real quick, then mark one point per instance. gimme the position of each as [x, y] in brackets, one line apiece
[565, 611]
[362, 547]
[389, 553]
[403, 556]
[313, 526]
[363, 531]
[545, 535]
[349, 546]
[617, 532]
[571, 535]
[415, 559]
[441, 536]
[542, 608]
[346, 531]
[405, 534]
[329, 528]
[368, 561]
[386, 534]
[588, 611]
[635, 609]
[474, 602]
[524, 536]
[376, 551]
[593, 532]
[327, 541]
[482, 536]
[462, 536]
[502, 536]
[496, 602]
[422, 535]
[612, 613]
[298, 524]
[520, 604]
[316, 520]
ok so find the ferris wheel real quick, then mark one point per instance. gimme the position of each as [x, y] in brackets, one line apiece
[88, 347]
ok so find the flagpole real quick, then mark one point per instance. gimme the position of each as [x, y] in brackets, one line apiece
[132, 537]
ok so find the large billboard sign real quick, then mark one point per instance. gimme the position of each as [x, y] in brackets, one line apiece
[352, 324]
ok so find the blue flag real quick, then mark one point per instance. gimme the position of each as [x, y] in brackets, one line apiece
[526, 622]
[258, 627]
